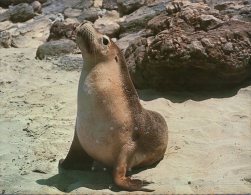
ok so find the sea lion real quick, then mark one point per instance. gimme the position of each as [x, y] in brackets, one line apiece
[111, 126]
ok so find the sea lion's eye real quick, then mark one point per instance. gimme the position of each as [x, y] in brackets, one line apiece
[105, 40]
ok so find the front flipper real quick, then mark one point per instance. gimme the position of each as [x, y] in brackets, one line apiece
[77, 158]
[120, 169]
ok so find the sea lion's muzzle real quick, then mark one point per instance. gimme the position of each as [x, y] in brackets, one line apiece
[86, 36]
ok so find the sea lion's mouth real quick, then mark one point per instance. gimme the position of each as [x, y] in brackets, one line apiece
[86, 36]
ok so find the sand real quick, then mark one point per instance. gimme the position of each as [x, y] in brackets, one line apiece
[209, 148]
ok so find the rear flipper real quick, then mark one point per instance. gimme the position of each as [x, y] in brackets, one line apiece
[119, 172]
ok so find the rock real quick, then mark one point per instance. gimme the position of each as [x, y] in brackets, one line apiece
[83, 4]
[61, 30]
[110, 4]
[126, 7]
[55, 17]
[124, 42]
[32, 33]
[37, 7]
[56, 48]
[223, 6]
[16, 2]
[21, 12]
[179, 51]
[245, 13]
[228, 47]
[4, 15]
[72, 13]
[138, 19]
[5, 3]
[71, 21]
[208, 22]
[70, 62]
[97, 3]
[57, 6]
[5, 39]
[5, 25]
[240, 9]
[91, 14]
[108, 24]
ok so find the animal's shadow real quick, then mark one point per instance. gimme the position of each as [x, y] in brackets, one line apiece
[181, 96]
[99, 179]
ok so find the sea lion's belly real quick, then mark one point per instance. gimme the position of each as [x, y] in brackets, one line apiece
[104, 117]
[97, 139]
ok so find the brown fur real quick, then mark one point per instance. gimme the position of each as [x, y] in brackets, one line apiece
[112, 127]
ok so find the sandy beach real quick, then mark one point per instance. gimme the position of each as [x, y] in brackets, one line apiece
[209, 149]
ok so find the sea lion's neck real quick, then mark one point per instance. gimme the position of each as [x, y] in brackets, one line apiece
[110, 75]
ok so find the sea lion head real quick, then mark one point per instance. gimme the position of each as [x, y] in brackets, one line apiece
[95, 46]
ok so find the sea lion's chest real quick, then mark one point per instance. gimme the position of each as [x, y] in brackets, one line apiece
[103, 115]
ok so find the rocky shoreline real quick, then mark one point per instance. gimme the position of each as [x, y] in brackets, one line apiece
[167, 44]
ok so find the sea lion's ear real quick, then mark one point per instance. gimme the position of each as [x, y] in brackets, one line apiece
[116, 58]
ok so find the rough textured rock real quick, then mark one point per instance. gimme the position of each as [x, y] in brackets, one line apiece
[83, 4]
[55, 7]
[72, 13]
[108, 24]
[5, 25]
[97, 3]
[138, 19]
[31, 34]
[129, 6]
[21, 12]
[110, 4]
[4, 15]
[70, 62]
[37, 7]
[127, 39]
[61, 30]
[237, 9]
[91, 14]
[181, 51]
[56, 48]
[5, 39]
[55, 17]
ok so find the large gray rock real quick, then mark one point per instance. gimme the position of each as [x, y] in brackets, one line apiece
[32, 33]
[108, 24]
[239, 9]
[21, 12]
[138, 19]
[6, 25]
[83, 4]
[91, 14]
[4, 15]
[127, 39]
[126, 7]
[60, 30]
[180, 51]
[72, 13]
[56, 48]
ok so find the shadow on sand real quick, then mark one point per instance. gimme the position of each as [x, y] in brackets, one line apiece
[69, 180]
[182, 96]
